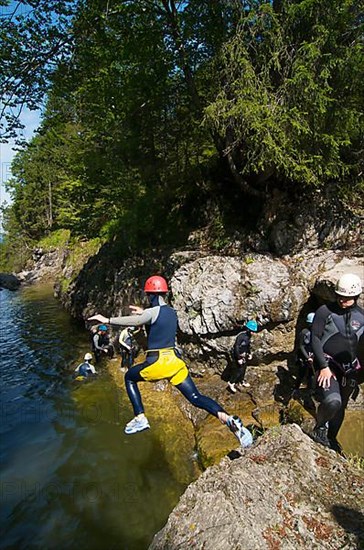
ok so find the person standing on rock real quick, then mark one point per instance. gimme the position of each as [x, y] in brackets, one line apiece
[128, 346]
[336, 331]
[304, 360]
[242, 354]
[163, 361]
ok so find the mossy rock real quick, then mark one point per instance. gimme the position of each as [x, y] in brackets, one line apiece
[267, 415]
[170, 426]
[296, 413]
[214, 440]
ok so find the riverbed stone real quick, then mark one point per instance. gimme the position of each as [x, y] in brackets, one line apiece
[9, 281]
[170, 426]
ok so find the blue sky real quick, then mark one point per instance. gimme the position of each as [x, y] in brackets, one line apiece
[31, 120]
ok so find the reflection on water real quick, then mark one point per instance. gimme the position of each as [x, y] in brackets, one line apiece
[351, 435]
[70, 477]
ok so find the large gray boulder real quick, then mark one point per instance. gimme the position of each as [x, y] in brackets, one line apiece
[9, 281]
[286, 492]
[212, 292]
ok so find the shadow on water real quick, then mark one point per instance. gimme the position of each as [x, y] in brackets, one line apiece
[70, 477]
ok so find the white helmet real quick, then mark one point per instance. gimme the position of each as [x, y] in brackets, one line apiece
[88, 357]
[348, 285]
[310, 317]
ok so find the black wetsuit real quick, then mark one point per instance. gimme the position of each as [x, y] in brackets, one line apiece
[100, 343]
[304, 353]
[335, 337]
[241, 352]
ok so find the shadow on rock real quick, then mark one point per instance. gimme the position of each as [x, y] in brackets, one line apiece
[351, 520]
[283, 390]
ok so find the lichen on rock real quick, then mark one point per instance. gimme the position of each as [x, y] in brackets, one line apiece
[285, 492]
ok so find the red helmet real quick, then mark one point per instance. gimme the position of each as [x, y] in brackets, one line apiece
[155, 284]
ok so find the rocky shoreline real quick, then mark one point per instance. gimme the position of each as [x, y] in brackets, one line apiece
[286, 491]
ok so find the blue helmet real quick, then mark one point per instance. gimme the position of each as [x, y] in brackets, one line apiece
[310, 317]
[252, 325]
[102, 327]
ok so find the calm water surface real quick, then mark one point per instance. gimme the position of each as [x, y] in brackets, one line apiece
[70, 478]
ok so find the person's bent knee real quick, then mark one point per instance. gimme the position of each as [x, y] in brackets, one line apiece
[332, 403]
[130, 376]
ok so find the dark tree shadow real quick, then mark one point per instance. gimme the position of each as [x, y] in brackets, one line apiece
[352, 521]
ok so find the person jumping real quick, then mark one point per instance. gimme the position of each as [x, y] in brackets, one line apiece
[163, 361]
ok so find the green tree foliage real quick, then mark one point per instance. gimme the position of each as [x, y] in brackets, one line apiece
[35, 36]
[290, 102]
[157, 109]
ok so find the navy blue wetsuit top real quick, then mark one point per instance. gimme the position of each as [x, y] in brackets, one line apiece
[162, 333]
[160, 321]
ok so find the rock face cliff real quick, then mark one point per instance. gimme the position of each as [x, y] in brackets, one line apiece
[212, 293]
[286, 492]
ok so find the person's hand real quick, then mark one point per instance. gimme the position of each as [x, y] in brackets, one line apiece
[99, 318]
[241, 361]
[136, 310]
[324, 377]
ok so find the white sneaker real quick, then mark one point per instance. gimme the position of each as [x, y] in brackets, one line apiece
[232, 387]
[245, 384]
[137, 425]
[242, 434]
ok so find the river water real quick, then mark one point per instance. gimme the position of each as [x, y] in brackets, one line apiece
[70, 477]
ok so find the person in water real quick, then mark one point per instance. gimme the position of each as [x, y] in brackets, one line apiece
[86, 369]
[336, 331]
[242, 354]
[163, 361]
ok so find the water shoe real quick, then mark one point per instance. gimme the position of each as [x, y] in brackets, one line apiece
[137, 424]
[243, 435]
[319, 434]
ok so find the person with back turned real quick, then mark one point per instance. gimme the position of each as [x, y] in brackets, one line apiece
[304, 357]
[242, 354]
[163, 361]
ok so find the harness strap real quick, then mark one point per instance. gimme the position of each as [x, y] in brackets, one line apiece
[161, 349]
[347, 369]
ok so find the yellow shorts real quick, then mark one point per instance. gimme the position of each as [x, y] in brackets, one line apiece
[167, 366]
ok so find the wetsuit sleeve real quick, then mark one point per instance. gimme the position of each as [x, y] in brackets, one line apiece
[317, 331]
[301, 344]
[144, 318]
